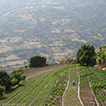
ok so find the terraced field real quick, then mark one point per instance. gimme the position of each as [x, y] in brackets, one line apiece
[53, 87]
[37, 90]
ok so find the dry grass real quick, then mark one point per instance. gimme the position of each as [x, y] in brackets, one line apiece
[59, 7]
[15, 39]
[28, 17]
[56, 31]
[12, 63]
[20, 30]
[69, 30]
[84, 41]
[5, 48]
[11, 57]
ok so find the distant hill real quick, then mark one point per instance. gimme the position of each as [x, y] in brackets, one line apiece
[52, 28]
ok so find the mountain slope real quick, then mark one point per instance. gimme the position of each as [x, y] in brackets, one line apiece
[52, 28]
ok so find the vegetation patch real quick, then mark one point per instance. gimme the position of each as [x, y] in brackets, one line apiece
[98, 84]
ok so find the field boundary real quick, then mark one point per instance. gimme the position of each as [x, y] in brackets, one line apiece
[79, 89]
[92, 92]
[66, 88]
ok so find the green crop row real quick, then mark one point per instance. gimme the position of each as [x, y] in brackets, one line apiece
[98, 82]
[100, 97]
[84, 72]
[36, 91]
[14, 92]
[41, 98]
[92, 78]
[57, 91]
[100, 77]
[30, 88]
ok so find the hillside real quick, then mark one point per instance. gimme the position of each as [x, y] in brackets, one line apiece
[54, 86]
[52, 28]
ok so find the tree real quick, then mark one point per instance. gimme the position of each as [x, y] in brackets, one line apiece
[37, 61]
[86, 55]
[102, 56]
[5, 79]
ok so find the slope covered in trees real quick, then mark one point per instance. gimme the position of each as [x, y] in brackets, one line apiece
[52, 28]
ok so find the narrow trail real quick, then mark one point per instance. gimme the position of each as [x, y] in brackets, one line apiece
[79, 89]
[40, 91]
[66, 88]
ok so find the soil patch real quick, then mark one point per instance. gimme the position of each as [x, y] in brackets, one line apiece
[86, 94]
[41, 69]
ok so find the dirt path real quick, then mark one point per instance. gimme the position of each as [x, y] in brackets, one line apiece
[85, 93]
[41, 69]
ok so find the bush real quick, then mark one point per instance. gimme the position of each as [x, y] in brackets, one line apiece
[14, 82]
[23, 77]
[17, 75]
[2, 89]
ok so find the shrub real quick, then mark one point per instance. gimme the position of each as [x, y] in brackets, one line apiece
[2, 89]
[14, 81]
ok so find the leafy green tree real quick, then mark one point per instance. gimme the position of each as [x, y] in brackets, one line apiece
[5, 79]
[102, 56]
[86, 55]
[37, 61]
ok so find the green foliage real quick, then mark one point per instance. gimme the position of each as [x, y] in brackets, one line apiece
[85, 73]
[37, 61]
[17, 75]
[100, 77]
[86, 55]
[102, 56]
[26, 66]
[2, 89]
[14, 82]
[23, 77]
[5, 79]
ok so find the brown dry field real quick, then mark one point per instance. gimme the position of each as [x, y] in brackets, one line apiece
[41, 69]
